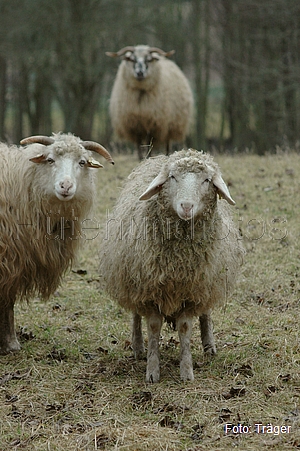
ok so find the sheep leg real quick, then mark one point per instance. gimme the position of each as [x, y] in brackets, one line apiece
[137, 336]
[154, 323]
[184, 326]
[140, 153]
[8, 338]
[168, 148]
[207, 334]
[139, 148]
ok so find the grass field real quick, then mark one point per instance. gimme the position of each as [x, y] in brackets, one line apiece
[76, 386]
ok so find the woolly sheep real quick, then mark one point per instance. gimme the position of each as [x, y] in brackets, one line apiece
[151, 100]
[175, 256]
[46, 191]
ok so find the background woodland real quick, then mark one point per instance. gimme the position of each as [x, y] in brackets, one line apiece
[241, 57]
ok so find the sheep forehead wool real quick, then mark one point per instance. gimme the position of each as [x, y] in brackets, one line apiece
[67, 144]
[141, 50]
[191, 161]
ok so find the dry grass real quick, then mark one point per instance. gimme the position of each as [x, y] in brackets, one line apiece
[75, 385]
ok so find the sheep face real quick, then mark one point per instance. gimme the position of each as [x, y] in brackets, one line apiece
[140, 62]
[190, 186]
[64, 171]
[63, 163]
[190, 193]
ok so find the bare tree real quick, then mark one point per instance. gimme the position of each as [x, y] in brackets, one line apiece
[52, 60]
[261, 70]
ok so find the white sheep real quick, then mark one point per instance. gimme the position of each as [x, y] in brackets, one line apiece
[46, 192]
[175, 256]
[151, 100]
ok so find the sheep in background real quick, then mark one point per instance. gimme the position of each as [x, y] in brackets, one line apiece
[175, 256]
[151, 100]
[46, 191]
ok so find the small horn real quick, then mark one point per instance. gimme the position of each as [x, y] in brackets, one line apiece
[121, 52]
[161, 52]
[96, 147]
[46, 140]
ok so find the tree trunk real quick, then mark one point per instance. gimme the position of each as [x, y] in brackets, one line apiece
[200, 24]
[3, 81]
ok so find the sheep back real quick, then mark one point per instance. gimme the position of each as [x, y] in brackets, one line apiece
[151, 257]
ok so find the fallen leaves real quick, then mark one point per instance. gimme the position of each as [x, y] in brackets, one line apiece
[14, 376]
[285, 378]
[24, 334]
[245, 370]
[57, 354]
[225, 415]
[141, 399]
[235, 392]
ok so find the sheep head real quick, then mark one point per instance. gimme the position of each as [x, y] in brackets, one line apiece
[139, 57]
[90, 145]
[190, 183]
[67, 160]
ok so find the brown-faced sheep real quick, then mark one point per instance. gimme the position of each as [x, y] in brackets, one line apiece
[46, 191]
[151, 100]
[175, 256]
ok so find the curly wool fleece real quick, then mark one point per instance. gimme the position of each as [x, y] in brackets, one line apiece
[151, 257]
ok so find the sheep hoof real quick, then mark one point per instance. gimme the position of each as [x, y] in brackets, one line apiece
[186, 372]
[210, 350]
[9, 347]
[152, 376]
[187, 376]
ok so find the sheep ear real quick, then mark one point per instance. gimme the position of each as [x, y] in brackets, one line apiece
[38, 159]
[154, 187]
[222, 189]
[94, 163]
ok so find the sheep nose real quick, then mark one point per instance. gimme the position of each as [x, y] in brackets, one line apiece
[140, 75]
[66, 185]
[187, 207]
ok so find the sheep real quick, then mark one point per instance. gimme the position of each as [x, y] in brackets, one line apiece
[175, 256]
[46, 193]
[151, 99]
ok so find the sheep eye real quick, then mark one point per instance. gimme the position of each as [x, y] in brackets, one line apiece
[207, 181]
[50, 160]
[82, 163]
[172, 177]
[130, 58]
